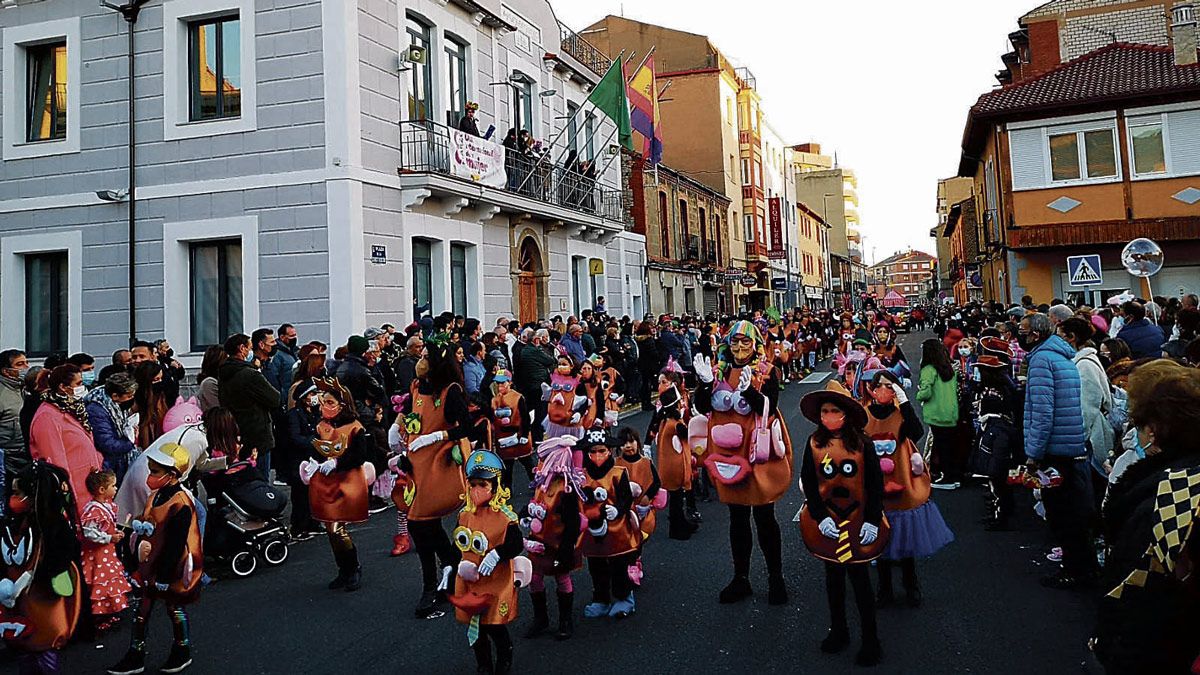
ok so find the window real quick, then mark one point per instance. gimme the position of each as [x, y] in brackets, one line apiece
[46, 102]
[1093, 152]
[216, 292]
[589, 133]
[572, 128]
[422, 255]
[1146, 141]
[524, 94]
[683, 218]
[746, 172]
[749, 229]
[420, 86]
[46, 303]
[458, 279]
[664, 223]
[456, 68]
[214, 69]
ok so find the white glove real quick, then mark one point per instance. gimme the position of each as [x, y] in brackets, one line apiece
[426, 440]
[545, 392]
[489, 562]
[576, 419]
[510, 441]
[327, 467]
[614, 396]
[907, 383]
[642, 512]
[901, 397]
[869, 534]
[395, 437]
[610, 512]
[647, 451]
[703, 367]
[745, 378]
[828, 528]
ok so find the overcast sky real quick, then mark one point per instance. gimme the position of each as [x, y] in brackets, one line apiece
[885, 84]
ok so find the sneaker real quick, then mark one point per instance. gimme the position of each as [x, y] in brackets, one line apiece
[595, 610]
[427, 607]
[943, 483]
[178, 661]
[1055, 555]
[622, 608]
[378, 505]
[132, 663]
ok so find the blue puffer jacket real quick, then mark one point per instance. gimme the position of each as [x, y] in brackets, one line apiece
[1145, 339]
[1053, 415]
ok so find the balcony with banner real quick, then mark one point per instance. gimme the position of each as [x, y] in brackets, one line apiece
[465, 171]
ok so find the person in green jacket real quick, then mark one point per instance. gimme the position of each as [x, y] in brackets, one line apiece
[938, 394]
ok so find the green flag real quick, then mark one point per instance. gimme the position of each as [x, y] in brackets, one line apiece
[609, 97]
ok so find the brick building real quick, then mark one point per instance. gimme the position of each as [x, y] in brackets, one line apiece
[909, 273]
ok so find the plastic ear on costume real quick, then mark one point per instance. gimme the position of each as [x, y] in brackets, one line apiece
[369, 472]
[468, 571]
[660, 500]
[636, 489]
[522, 571]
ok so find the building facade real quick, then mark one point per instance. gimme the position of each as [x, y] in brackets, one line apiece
[950, 191]
[1079, 155]
[832, 192]
[297, 162]
[908, 273]
[683, 222]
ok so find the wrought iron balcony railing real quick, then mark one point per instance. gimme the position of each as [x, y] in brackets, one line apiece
[582, 51]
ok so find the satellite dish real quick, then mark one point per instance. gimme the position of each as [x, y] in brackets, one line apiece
[1142, 258]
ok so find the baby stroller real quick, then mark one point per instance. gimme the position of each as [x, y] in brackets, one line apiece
[244, 519]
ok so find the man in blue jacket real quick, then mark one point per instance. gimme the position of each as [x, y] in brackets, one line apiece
[1054, 438]
[1145, 339]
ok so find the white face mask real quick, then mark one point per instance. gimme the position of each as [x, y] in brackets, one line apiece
[964, 351]
[80, 391]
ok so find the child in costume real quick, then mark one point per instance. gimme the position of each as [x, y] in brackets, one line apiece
[613, 387]
[591, 387]
[553, 520]
[842, 521]
[103, 572]
[511, 424]
[41, 596]
[401, 493]
[338, 475]
[170, 559]
[668, 434]
[566, 403]
[645, 485]
[917, 527]
[485, 596]
[611, 539]
[747, 452]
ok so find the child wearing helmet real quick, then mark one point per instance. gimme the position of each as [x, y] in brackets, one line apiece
[490, 540]
[511, 425]
[170, 558]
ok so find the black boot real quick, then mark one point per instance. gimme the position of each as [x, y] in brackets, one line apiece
[679, 526]
[912, 588]
[179, 659]
[541, 617]
[339, 582]
[738, 589]
[427, 606]
[836, 640]
[870, 653]
[566, 620]
[885, 596]
[483, 661]
[132, 663]
[693, 513]
[504, 659]
[777, 593]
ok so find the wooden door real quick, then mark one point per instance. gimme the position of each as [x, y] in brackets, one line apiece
[527, 308]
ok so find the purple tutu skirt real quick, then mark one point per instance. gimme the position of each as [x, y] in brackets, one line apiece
[917, 533]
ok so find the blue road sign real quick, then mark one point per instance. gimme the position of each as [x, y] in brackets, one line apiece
[1084, 270]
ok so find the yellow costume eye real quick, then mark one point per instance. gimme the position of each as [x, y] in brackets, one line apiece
[479, 543]
[462, 538]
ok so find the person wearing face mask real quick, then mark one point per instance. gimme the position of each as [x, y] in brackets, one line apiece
[173, 370]
[297, 446]
[61, 432]
[1149, 617]
[150, 402]
[918, 530]
[938, 394]
[13, 367]
[250, 397]
[611, 534]
[87, 368]
[842, 522]
[108, 409]
[170, 559]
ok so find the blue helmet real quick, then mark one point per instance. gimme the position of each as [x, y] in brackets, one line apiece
[484, 464]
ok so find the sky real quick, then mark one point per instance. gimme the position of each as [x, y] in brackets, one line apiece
[885, 85]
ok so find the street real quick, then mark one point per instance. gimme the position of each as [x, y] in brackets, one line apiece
[983, 609]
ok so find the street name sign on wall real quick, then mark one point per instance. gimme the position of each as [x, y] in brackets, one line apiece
[1084, 270]
[378, 254]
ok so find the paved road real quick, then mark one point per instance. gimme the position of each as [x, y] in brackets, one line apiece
[984, 610]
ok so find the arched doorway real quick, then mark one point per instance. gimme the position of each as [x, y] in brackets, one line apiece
[529, 279]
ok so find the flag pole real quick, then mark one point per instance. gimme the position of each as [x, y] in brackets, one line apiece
[588, 139]
[558, 136]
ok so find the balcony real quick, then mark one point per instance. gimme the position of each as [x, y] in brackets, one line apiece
[692, 247]
[746, 77]
[581, 50]
[520, 184]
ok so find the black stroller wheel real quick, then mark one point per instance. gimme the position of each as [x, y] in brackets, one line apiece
[243, 563]
[275, 552]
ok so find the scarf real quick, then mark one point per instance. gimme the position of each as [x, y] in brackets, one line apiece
[119, 415]
[71, 406]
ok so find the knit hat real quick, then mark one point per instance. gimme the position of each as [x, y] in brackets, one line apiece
[373, 332]
[357, 345]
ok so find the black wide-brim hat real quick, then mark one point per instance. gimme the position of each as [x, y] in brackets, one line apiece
[834, 392]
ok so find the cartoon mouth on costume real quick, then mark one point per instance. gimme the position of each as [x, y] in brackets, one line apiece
[841, 503]
[728, 436]
[15, 628]
[471, 602]
[727, 469]
[598, 531]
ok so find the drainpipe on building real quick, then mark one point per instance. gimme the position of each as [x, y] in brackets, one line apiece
[129, 12]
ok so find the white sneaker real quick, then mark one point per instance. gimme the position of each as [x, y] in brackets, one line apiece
[1055, 554]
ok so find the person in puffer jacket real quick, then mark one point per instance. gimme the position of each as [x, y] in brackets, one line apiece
[1055, 439]
[1145, 339]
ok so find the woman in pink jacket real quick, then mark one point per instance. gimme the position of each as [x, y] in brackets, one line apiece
[60, 433]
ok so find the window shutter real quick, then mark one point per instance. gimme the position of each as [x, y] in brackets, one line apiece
[1028, 153]
[1184, 130]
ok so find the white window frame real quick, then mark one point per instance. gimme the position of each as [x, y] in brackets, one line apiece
[1079, 130]
[177, 239]
[14, 112]
[1144, 121]
[13, 250]
[177, 15]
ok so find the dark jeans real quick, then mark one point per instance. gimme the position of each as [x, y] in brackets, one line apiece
[949, 452]
[1069, 513]
[610, 577]
[741, 541]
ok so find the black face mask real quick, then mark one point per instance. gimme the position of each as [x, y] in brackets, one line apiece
[170, 353]
[126, 405]
[1025, 342]
[159, 387]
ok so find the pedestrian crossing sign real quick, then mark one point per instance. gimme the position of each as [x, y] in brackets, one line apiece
[1084, 270]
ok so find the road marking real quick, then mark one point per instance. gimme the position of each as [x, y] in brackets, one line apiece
[816, 378]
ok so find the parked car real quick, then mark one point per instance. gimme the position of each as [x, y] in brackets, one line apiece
[901, 320]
